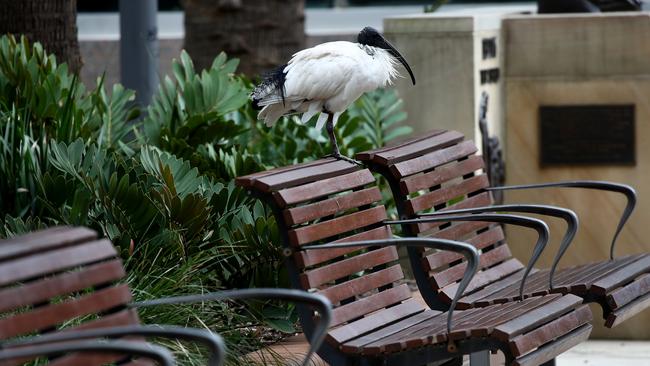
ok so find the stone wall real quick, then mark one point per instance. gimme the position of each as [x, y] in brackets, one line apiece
[559, 60]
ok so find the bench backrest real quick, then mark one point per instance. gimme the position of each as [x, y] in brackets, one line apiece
[334, 201]
[62, 276]
[436, 172]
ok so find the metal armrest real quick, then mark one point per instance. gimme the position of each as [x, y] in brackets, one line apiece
[213, 341]
[321, 303]
[156, 353]
[567, 215]
[536, 224]
[467, 250]
[625, 189]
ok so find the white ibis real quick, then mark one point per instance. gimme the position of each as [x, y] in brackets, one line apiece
[326, 79]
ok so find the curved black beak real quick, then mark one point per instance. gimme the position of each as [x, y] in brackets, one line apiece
[389, 47]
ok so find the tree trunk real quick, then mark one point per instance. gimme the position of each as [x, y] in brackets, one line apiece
[261, 33]
[53, 23]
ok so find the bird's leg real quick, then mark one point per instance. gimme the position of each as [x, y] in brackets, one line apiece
[336, 153]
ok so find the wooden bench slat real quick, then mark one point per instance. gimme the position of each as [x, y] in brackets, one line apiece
[480, 241]
[336, 226]
[363, 284]
[550, 331]
[506, 289]
[39, 291]
[440, 175]
[369, 155]
[49, 262]
[624, 295]
[417, 148]
[456, 272]
[552, 350]
[42, 240]
[500, 315]
[483, 297]
[621, 276]
[485, 277]
[481, 199]
[51, 315]
[443, 195]
[367, 305]
[621, 314]
[540, 281]
[120, 318]
[581, 280]
[307, 258]
[316, 277]
[465, 325]
[374, 321]
[433, 159]
[435, 333]
[486, 328]
[323, 187]
[312, 173]
[355, 346]
[459, 230]
[536, 317]
[302, 214]
[246, 181]
[431, 331]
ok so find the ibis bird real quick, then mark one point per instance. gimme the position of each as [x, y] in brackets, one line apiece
[326, 79]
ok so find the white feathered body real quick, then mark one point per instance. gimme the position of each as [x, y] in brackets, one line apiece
[325, 78]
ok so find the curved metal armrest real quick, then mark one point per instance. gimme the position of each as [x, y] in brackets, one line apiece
[213, 341]
[567, 215]
[625, 189]
[467, 250]
[529, 222]
[318, 301]
[156, 353]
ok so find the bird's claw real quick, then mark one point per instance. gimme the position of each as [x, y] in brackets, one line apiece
[345, 158]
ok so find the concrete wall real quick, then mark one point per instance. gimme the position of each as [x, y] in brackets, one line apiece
[580, 60]
[445, 51]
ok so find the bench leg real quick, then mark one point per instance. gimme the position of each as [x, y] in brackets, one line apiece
[481, 358]
[549, 363]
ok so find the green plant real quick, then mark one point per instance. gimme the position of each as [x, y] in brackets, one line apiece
[188, 113]
[41, 102]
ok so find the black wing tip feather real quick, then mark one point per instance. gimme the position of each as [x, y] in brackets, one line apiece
[273, 79]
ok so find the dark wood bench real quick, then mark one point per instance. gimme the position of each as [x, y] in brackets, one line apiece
[66, 275]
[440, 172]
[325, 209]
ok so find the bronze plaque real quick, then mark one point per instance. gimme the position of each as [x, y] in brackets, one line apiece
[587, 134]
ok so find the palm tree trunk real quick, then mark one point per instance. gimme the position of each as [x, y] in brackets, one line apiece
[261, 33]
[53, 23]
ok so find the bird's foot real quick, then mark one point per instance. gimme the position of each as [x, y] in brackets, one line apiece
[345, 158]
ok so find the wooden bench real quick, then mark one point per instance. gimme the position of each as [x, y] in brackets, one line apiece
[440, 173]
[64, 287]
[325, 210]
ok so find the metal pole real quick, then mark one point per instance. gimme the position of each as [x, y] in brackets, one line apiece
[139, 52]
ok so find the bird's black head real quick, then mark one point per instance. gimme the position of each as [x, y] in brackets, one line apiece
[369, 36]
